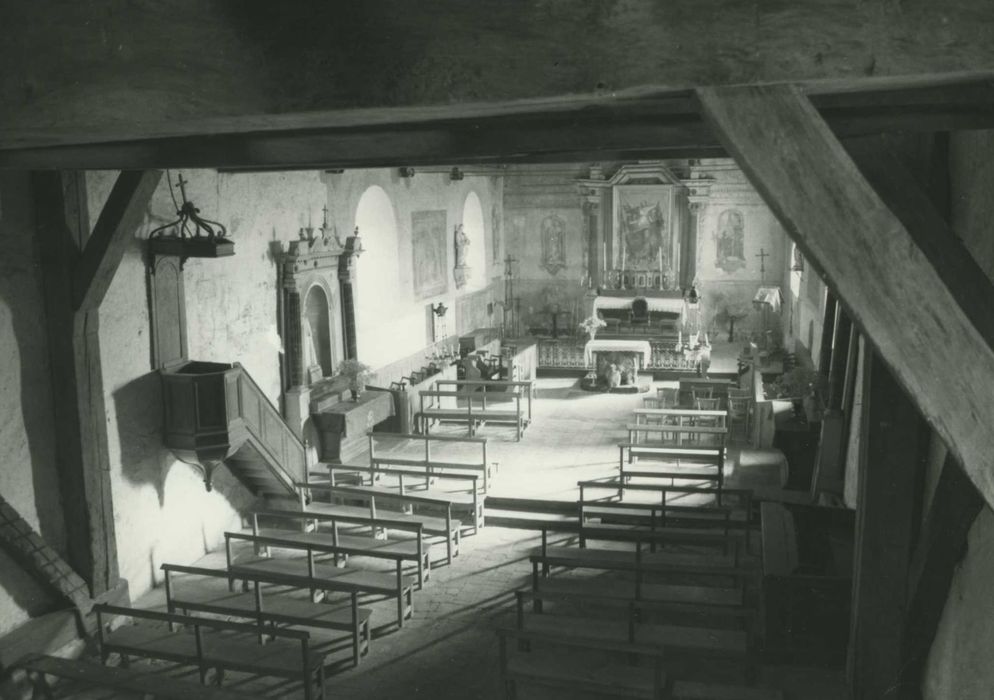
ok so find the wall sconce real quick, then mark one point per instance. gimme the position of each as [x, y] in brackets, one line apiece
[455, 175]
[439, 309]
[406, 172]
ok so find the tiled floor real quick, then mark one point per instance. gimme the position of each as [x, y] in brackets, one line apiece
[448, 650]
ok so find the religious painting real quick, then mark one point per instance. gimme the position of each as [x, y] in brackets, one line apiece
[729, 237]
[553, 232]
[429, 253]
[644, 233]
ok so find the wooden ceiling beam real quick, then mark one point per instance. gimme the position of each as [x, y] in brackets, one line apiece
[644, 122]
[895, 293]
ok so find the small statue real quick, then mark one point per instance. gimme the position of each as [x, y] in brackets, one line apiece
[462, 242]
[613, 376]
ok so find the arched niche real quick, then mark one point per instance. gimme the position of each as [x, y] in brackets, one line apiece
[317, 330]
[379, 292]
[476, 242]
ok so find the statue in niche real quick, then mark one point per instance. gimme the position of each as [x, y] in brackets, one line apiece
[312, 362]
[730, 241]
[461, 271]
[553, 244]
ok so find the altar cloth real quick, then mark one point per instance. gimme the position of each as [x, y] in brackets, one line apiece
[638, 347]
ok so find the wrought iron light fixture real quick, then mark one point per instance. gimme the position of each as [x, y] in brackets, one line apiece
[190, 235]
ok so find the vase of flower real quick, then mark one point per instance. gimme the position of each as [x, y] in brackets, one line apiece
[357, 373]
[591, 325]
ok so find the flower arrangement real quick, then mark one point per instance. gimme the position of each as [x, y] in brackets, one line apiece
[592, 324]
[357, 373]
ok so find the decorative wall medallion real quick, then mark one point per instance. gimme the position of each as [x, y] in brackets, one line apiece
[429, 253]
[729, 240]
[553, 244]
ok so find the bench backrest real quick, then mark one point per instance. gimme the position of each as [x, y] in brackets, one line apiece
[369, 492]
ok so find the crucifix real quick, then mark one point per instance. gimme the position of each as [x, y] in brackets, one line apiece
[510, 303]
[762, 255]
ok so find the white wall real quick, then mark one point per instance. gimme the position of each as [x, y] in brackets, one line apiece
[391, 322]
[161, 508]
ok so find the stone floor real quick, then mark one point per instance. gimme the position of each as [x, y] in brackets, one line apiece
[448, 651]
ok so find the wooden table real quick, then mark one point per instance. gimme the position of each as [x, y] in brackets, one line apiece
[343, 426]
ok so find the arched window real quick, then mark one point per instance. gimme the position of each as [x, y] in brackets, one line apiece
[379, 281]
[476, 254]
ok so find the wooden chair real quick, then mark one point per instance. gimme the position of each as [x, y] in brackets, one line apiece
[639, 314]
[669, 397]
[739, 410]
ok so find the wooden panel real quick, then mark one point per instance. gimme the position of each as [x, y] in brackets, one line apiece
[167, 311]
[892, 290]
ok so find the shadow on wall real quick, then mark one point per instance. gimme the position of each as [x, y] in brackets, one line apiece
[144, 459]
[21, 300]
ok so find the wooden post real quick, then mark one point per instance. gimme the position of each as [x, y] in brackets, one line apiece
[78, 268]
[887, 508]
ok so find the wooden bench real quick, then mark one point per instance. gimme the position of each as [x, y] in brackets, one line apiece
[429, 463]
[682, 417]
[149, 686]
[691, 463]
[711, 515]
[680, 435]
[266, 608]
[610, 589]
[415, 479]
[493, 386]
[446, 526]
[743, 498]
[631, 627]
[712, 567]
[559, 670]
[469, 414]
[344, 545]
[207, 643]
[318, 577]
[655, 524]
[446, 503]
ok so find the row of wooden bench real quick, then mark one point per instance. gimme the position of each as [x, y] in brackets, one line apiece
[654, 602]
[261, 643]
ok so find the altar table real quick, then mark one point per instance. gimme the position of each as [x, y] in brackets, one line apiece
[636, 347]
[343, 426]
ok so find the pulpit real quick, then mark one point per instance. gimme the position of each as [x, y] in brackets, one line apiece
[616, 365]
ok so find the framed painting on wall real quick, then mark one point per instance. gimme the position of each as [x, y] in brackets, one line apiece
[429, 253]
[645, 237]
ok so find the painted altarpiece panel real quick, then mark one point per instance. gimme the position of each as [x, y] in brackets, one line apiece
[429, 253]
[645, 233]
